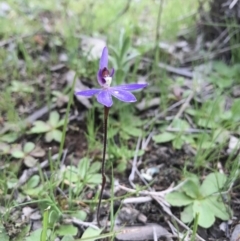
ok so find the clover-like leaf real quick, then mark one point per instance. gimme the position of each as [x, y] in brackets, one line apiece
[218, 207]
[164, 137]
[28, 147]
[57, 135]
[9, 137]
[191, 189]
[30, 161]
[40, 127]
[54, 118]
[19, 154]
[206, 217]
[66, 229]
[187, 214]
[37, 152]
[49, 136]
[213, 183]
[178, 199]
[71, 174]
[94, 178]
[83, 167]
[131, 130]
[90, 234]
[95, 167]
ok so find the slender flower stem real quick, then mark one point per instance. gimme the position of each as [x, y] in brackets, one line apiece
[106, 111]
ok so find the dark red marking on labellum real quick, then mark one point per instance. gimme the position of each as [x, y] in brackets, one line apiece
[105, 73]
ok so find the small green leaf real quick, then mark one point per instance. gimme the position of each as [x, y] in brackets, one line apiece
[132, 131]
[53, 118]
[94, 178]
[213, 183]
[83, 167]
[67, 238]
[30, 161]
[178, 199]
[164, 137]
[218, 208]
[9, 138]
[3, 234]
[187, 214]
[191, 189]
[28, 147]
[71, 174]
[40, 127]
[18, 154]
[32, 182]
[82, 215]
[66, 230]
[53, 218]
[206, 217]
[178, 142]
[57, 135]
[91, 232]
[49, 136]
[95, 167]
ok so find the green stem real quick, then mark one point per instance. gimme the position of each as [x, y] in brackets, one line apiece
[106, 111]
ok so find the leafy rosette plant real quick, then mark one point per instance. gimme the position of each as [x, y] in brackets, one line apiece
[205, 200]
[104, 97]
[50, 128]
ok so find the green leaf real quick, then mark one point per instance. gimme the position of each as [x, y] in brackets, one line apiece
[218, 208]
[164, 137]
[32, 182]
[206, 123]
[28, 147]
[53, 218]
[206, 217]
[82, 215]
[71, 174]
[220, 135]
[83, 167]
[57, 135]
[9, 138]
[53, 118]
[131, 130]
[235, 109]
[4, 148]
[191, 189]
[40, 127]
[180, 124]
[178, 199]
[35, 235]
[187, 214]
[178, 143]
[67, 238]
[91, 232]
[94, 178]
[213, 183]
[49, 136]
[95, 167]
[67, 230]
[3, 234]
[18, 154]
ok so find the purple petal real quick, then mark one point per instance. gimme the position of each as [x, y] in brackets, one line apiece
[88, 93]
[123, 95]
[99, 77]
[112, 72]
[130, 87]
[104, 59]
[105, 98]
